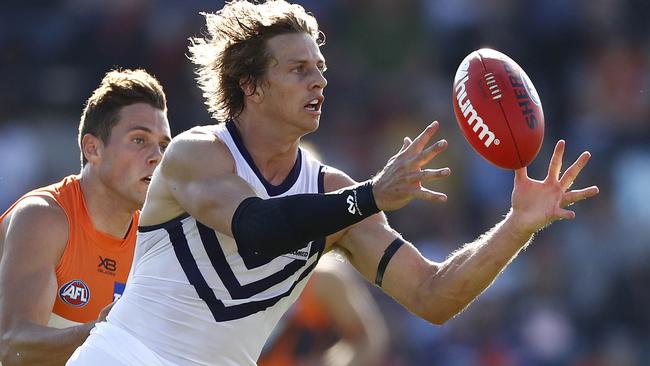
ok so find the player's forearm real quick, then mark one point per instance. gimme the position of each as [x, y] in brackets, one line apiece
[276, 226]
[31, 344]
[470, 270]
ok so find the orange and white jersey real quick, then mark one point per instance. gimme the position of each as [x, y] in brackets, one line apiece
[94, 266]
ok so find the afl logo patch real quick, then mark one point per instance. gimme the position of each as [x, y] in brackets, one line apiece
[75, 293]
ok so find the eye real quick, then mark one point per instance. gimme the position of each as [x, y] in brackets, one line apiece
[298, 69]
[163, 147]
[322, 68]
[138, 140]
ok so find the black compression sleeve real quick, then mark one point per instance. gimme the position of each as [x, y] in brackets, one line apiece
[277, 226]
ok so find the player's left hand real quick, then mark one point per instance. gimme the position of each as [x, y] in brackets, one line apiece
[536, 204]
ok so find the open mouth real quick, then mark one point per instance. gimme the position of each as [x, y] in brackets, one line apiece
[314, 105]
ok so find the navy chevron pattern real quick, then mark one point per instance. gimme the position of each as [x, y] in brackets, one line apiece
[218, 260]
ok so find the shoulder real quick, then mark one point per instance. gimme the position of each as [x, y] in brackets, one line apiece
[36, 223]
[335, 179]
[196, 148]
[195, 139]
[39, 211]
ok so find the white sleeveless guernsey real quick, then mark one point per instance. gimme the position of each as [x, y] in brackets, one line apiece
[193, 299]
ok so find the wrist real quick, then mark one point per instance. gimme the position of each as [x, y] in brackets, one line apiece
[516, 228]
[365, 198]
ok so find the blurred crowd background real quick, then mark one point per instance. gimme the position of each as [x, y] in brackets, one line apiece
[580, 295]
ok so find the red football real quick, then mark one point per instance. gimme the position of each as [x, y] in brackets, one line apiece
[498, 109]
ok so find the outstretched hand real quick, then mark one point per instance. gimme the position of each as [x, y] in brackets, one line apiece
[401, 179]
[536, 204]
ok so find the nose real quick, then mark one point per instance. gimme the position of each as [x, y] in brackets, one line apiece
[155, 156]
[319, 80]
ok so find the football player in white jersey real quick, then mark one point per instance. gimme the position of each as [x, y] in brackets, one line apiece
[236, 216]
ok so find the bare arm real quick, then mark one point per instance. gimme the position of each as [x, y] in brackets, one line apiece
[34, 240]
[433, 291]
[197, 176]
[354, 314]
[438, 291]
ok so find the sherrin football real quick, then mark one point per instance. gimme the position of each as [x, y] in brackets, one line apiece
[498, 109]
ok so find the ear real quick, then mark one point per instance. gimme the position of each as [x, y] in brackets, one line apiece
[92, 147]
[251, 92]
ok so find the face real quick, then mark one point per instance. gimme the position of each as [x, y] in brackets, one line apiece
[293, 92]
[134, 149]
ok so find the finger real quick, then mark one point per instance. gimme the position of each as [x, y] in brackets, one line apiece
[574, 196]
[405, 144]
[423, 138]
[556, 161]
[570, 175]
[427, 175]
[431, 151]
[429, 195]
[521, 174]
[564, 214]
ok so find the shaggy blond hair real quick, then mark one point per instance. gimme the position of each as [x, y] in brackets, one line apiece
[234, 51]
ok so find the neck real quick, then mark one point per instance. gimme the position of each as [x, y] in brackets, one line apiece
[273, 149]
[109, 212]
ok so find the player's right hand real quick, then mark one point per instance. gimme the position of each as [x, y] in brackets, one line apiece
[104, 312]
[401, 179]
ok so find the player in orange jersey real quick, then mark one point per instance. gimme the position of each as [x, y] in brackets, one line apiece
[334, 322]
[67, 248]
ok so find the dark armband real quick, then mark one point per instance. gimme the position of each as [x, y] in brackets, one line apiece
[278, 226]
[389, 252]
